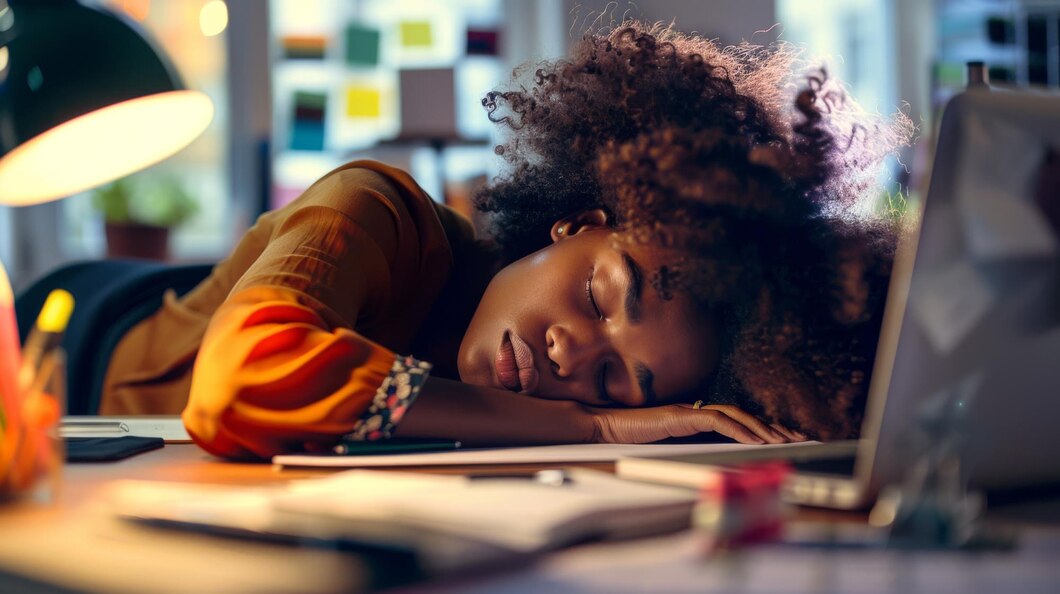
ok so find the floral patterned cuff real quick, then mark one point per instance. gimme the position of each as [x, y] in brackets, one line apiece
[398, 391]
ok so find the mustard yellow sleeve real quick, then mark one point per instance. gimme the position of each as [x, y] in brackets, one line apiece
[280, 368]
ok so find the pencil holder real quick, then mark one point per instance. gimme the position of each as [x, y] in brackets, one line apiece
[31, 452]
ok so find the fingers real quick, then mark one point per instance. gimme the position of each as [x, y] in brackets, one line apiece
[769, 434]
[790, 433]
[650, 424]
[719, 422]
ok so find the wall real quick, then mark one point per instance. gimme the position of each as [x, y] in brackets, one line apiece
[728, 20]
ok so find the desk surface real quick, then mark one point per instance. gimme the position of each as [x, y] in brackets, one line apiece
[76, 545]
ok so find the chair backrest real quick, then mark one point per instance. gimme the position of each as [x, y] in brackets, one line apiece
[111, 296]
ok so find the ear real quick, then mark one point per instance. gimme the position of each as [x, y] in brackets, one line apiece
[572, 225]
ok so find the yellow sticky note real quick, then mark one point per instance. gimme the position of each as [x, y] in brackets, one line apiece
[416, 34]
[362, 102]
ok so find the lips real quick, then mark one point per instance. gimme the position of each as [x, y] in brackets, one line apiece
[515, 364]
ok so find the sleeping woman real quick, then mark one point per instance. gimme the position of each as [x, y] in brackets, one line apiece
[675, 225]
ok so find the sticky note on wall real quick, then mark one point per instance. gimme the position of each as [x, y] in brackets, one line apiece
[428, 104]
[309, 105]
[362, 102]
[362, 45]
[307, 136]
[304, 47]
[481, 42]
[416, 34]
[307, 122]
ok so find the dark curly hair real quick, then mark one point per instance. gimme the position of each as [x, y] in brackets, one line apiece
[746, 173]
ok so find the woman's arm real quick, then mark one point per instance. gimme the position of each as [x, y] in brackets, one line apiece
[478, 415]
[280, 367]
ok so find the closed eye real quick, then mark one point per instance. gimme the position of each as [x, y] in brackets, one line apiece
[589, 294]
[601, 374]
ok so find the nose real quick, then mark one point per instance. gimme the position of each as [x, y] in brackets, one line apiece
[571, 351]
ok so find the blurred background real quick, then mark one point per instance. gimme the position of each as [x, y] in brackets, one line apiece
[301, 86]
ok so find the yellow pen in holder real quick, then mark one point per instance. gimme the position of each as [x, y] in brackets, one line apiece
[32, 454]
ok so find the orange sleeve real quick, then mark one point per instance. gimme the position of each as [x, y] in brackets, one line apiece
[280, 368]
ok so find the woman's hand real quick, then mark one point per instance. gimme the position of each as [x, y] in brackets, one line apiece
[482, 416]
[644, 425]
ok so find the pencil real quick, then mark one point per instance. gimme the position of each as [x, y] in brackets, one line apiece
[47, 334]
[38, 411]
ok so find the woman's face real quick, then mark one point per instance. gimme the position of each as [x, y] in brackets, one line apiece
[578, 320]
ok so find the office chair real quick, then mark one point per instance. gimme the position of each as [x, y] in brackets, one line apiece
[111, 296]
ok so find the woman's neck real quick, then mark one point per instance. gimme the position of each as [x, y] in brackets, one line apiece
[438, 340]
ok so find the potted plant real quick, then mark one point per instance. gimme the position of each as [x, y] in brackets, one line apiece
[139, 212]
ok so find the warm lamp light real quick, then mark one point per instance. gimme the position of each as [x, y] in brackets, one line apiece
[85, 98]
[102, 145]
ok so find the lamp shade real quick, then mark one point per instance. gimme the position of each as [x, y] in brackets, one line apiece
[85, 98]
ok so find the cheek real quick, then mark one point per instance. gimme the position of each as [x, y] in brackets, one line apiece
[483, 334]
[511, 291]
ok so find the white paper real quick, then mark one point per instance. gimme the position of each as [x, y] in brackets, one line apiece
[513, 513]
[557, 454]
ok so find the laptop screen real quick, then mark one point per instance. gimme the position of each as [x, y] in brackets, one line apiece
[969, 352]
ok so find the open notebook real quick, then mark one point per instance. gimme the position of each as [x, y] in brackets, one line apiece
[451, 522]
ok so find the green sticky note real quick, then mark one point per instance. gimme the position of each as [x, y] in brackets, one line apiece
[416, 34]
[310, 99]
[362, 45]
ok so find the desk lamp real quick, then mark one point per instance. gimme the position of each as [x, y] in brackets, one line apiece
[85, 98]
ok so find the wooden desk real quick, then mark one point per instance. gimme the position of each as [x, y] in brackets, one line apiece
[76, 545]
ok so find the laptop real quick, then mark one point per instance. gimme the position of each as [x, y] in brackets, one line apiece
[971, 328]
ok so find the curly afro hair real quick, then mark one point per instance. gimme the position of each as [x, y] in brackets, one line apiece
[746, 172]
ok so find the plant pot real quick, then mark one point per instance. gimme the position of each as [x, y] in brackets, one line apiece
[136, 240]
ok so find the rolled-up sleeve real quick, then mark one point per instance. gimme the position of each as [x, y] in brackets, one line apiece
[280, 368]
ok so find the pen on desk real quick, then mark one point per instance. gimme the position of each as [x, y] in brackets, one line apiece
[365, 448]
[552, 477]
[96, 426]
[46, 335]
[87, 429]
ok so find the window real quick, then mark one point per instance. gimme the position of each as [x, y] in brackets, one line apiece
[854, 40]
[191, 33]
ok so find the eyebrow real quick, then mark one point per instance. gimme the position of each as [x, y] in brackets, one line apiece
[644, 379]
[633, 289]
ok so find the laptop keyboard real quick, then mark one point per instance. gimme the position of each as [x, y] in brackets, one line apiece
[838, 466]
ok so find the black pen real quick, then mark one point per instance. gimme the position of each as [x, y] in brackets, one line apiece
[367, 448]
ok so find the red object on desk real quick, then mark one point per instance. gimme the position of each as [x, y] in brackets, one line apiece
[743, 505]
